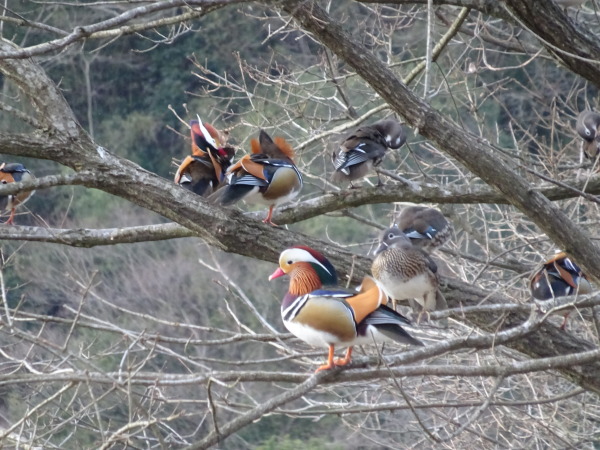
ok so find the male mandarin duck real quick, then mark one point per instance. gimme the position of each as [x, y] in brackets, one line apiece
[205, 169]
[364, 149]
[587, 126]
[406, 272]
[427, 228]
[267, 176]
[334, 317]
[559, 277]
[13, 173]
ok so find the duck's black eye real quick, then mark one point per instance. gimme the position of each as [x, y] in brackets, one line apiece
[290, 262]
[391, 236]
[4, 181]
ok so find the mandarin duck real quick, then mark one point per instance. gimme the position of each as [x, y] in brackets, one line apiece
[267, 176]
[364, 149]
[587, 126]
[13, 173]
[205, 169]
[427, 228]
[334, 317]
[559, 277]
[406, 272]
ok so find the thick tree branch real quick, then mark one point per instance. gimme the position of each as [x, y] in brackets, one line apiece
[77, 179]
[567, 40]
[307, 209]
[87, 238]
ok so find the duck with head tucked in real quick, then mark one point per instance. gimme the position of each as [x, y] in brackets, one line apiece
[333, 318]
[364, 149]
[427, 228]
[13, 173]
[268, 176]
[559, 276]
[204, 170]
[587, 126]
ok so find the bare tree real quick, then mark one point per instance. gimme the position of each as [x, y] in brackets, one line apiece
[97, 359]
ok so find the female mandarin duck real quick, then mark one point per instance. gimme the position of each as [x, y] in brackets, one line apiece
[267, 176]
[427, 228]
[559, 277]
[364, 149]
[205, 169]
[13, 173]
[334, 317]
[404, 271]
[587, 127]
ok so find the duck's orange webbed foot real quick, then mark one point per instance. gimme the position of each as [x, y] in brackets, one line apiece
[330, 362]
[269, 217]
[346, 359]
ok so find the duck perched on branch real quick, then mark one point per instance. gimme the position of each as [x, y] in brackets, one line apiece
[333, 318]
[268, 176]
[205, 169]
[13, 173]
[587, 126]
[559, 276]
[427, 228]
[364, 149]
[406, 272]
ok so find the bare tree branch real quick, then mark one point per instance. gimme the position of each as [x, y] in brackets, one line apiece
[115, 26]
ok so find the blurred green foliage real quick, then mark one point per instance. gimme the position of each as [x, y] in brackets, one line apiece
[292, 434]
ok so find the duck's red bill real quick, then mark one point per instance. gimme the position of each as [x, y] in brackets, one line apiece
[278, 273]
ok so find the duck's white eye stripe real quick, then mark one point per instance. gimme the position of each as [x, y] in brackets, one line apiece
[206, 134]
[299, 254]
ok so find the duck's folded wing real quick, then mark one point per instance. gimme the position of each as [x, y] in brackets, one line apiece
[389, 323]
